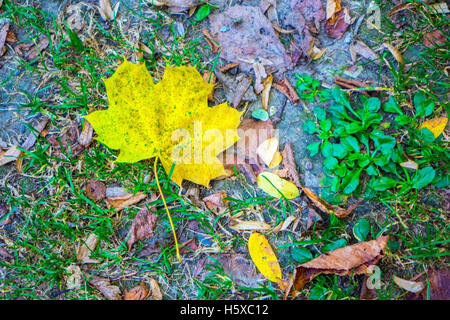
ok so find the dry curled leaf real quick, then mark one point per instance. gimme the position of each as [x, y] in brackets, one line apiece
[395, 52]
[358, 258]
[109, 291]
[289, 165]
[119, 203]
[216, 202]
[140, 292]
[365, 51]
[325, 207]
[86, 247]
[10, 155]
[95, 190]
[143, 225]
[85, 137]
[286, 88]
[337, 28]
[155, 289]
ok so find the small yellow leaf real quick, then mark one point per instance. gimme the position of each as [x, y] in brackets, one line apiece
[397, 55]
[264, 258]
[435, 125]
[276, 160]
[273, 185]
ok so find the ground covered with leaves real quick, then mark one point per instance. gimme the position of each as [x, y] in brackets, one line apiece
[336, 189]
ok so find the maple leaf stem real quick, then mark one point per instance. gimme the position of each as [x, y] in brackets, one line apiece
[167, 209]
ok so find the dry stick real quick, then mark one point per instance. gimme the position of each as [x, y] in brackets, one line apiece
[167, 210]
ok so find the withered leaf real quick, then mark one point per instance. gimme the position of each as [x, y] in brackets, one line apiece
[111, 292]
[156, 290]
[288, 163]
[119, 203]
[216, 202]
[286, 88]
[252, 133]
[140, 292]
[337, 29]
[365, 51]
[86, 247]
[434, 38]
[95, 190]
[354, 259]
[143, 224]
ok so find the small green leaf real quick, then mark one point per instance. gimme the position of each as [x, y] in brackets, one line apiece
[372, 104]
[384, 183]
[351, 181]
[351, 143]
[327, 149]
[301, 254]
[423, 177]
[313, 148]
[392, 106]
[310, 127]
[330, 163]
[325, 124]
[423, 105]
[334, 245]
[320, 113]
[260, 114]
[361, 229]
[203, 12]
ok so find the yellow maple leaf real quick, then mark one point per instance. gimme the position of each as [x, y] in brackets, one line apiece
[146, 120]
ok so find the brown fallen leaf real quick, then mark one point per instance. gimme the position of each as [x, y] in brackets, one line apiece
[395, 52]
[95, 190]
[410, 165]
[267, 84]
[109, 291]
[438, 288]
[366, 52]
[367, 293]
[342, 21]
[260, 74]
[143, 224]
[354, 84]
[34, 52]
[286, 88]
[216, 202]
[333, 7]
[85, 137]
[236, 88]
[75, 277]
[32, 137]
[358, 258]
[156, 290]
[288, 163]
[400, 7]
[119, 203]
[140, 292]
[177, 6]
[434, 38]
[211, 42]
[85, 248]
[241, 269]
[228, 66]
[250, 39]
[313, 218]
[325, 207]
